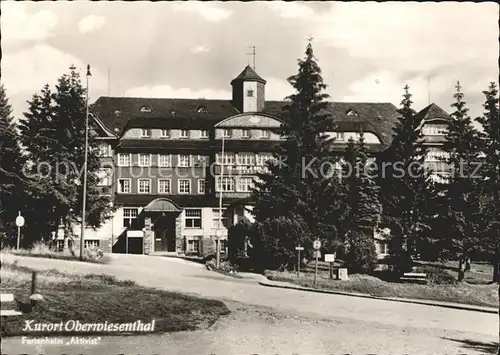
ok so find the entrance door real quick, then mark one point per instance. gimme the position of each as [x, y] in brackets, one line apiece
[165, 234]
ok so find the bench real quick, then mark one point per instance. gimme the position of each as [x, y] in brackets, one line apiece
[8, 298]
[414, 277]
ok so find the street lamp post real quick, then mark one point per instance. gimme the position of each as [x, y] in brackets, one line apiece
[84, 197]
[219, 231]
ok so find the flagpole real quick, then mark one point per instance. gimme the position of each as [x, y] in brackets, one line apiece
[82, 234]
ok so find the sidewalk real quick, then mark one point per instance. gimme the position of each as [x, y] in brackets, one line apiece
[279, 284]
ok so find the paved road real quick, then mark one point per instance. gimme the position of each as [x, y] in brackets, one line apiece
[268, 320]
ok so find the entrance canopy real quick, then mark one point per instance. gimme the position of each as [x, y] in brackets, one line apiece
[162, 205]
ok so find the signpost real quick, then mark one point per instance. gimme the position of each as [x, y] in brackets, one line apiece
[19, 224]
[330, 258]
[299, 248]
[316, 246]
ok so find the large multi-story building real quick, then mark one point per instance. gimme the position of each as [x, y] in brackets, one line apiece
[162, 160]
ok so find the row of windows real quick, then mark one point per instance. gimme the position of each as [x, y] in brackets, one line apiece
[204, 134]
[165, 160]
[437, 155]
[225, 184]
[434, 129]
[164, 186]
[192, 218]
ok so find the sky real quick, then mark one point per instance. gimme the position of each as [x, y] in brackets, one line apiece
[367, 51]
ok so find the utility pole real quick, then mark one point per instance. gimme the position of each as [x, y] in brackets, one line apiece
[84, 197]
[219, 231]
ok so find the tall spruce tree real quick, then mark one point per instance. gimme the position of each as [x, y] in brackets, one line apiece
[53, 132]
[405, 186]
[462, 199]
[362, 208]
[290, 197]
[11, 177]
[490, 184]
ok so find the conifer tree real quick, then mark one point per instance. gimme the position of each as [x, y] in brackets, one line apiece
[490, 184]
[461, 191]
[405, 186]
[11, 177]
[53, 132]
[362, 208]
[290, 197]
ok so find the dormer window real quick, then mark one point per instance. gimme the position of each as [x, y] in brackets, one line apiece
[203, 133]
[245, 133]
[146, 109]
[265, 134]
[165, 133]
[250, 93]
[352, 113]
[202, 110]
[226, 133]
[339, 136]
[184, 133]
[145, 133]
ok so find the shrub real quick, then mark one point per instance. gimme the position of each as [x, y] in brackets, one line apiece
[361, 256]
[224, 266]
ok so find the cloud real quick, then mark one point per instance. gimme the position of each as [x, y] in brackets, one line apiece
[22, 26]
[91, 23]
[290, 9]
[199, 49]
[208, 11]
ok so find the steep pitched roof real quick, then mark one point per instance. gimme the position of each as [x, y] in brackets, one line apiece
[248, 74]
[432, 111]
[120, 113]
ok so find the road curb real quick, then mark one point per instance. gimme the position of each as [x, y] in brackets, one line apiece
[401, 300]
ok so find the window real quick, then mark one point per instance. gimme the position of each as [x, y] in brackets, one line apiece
[145, 133]
[352, 113]
[144, 159]
[184, 186]
[245, 159]
[104, 176]
[201, 186]
[103, 150]
[223, 245]
[124, 186]
[164, 186]
[262, 158]
[204, 133]
[228, 159]
[202, 110]
[91, 243]
[265, 134]
[184, 161]
[223, 219]
[123, 159]
[227, 184]
[129, 216]
[339, 136]
[193, 246]
[144, 186]
[200, 160]
[192, 217]
[184, 133]
[437, 155]
[434, 130]
[245, 184]
[245, 133]
[250, 93]
[164, 160]
[145, 109]
[226, 133]
[165, 133]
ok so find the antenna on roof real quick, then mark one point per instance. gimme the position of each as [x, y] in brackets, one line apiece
[253, 55]
[429, 90]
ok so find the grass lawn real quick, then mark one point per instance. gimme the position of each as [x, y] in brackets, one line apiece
[42, 251]
[474, 291]
[98, 299]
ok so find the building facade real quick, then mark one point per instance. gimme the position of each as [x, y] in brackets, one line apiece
[173, 165]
